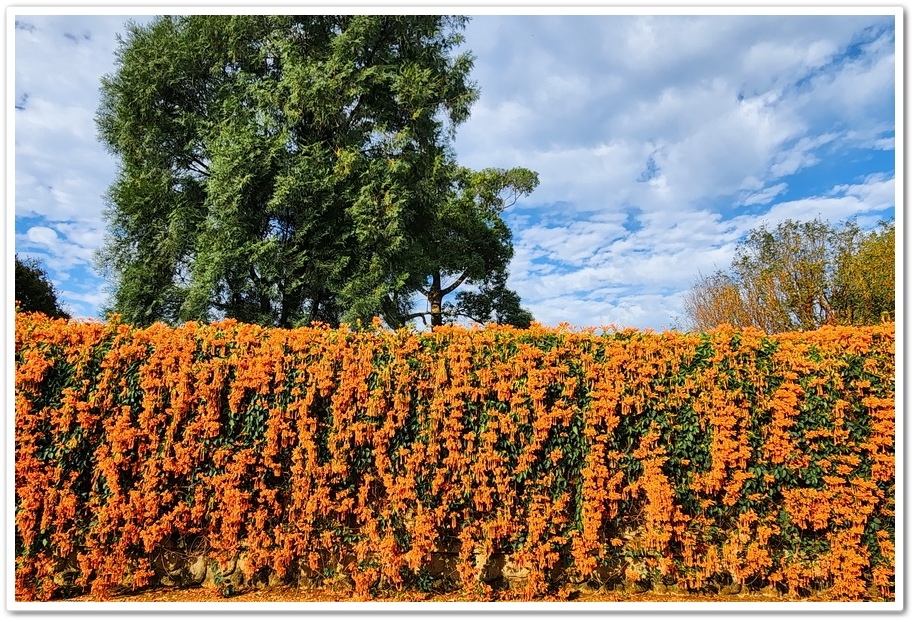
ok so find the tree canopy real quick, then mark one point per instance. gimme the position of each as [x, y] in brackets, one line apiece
[468, 243]
[34, 290]
[799, 276]
[289, 169]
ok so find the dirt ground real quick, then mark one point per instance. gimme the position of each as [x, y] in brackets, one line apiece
[297, 595]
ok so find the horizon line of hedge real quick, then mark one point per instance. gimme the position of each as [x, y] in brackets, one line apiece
[686, 458]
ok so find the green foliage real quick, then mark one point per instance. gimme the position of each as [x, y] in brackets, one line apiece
[34, 290]
[800, 276]
[468, 243]
[493, 302]
[282, 170]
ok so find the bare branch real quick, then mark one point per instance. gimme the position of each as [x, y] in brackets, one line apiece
[469, 317]
[457, 283]
[416, 315]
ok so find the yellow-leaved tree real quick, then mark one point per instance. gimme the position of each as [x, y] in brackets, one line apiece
[800, 276]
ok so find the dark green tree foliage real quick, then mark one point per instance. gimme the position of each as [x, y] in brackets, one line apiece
[467, 244]
[494, 302]
[34, 290]
[287, 169]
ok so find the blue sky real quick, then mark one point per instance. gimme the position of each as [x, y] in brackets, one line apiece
[660, 140]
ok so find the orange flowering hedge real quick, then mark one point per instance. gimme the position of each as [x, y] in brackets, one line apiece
[687, 458]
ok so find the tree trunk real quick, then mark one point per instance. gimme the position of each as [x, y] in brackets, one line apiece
[435, 300]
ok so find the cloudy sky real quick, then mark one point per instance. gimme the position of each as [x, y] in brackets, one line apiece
[659, 140]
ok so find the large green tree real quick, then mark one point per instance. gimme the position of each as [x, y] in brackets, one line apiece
[34, 290]
[288, 169]
[799, 276]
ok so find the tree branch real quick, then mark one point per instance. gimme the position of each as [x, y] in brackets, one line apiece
[415, 315]
[469, 317]
[457, 283]
[203, 170]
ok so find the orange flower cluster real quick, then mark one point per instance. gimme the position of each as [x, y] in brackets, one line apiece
[766, 459]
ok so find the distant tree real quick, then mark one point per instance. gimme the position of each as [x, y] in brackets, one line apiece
[866, 279]
[34, 290]
[279, 169]
[717, 299]
[799, 276]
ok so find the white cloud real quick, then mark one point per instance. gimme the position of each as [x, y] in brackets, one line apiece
[84, 303]
[877, 191]
[57, 252]
[764, 196]
[637, 311]
[844, 201]
[800, 155]
[78, 233]
[44, 236]
[770, 64]
[573, 243]
[884, 144]
[724, 145]
[661, 256]
[859, 90]
[619, 268]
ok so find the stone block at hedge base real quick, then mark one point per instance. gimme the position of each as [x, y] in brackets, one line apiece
[173, 568]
